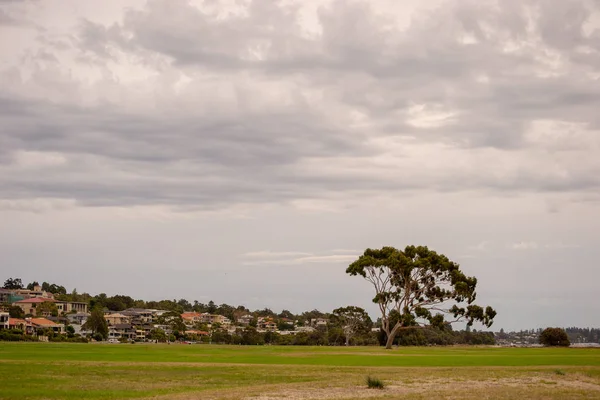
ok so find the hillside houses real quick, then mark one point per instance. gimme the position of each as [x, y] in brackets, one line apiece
[12, 295]
[46, 313]
[44, 323]
[195, 318]
[51, 312]
[32, 304]
[138, 315]
[266, 324]
[29, 325]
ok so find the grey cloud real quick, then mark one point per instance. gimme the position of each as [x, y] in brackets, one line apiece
[407, 66]
[263, 258]
[7, 19]
[223, 140]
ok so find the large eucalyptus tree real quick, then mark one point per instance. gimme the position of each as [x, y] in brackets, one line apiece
[425, 288]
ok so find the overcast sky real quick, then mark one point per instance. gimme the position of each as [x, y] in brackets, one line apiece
[248, 151]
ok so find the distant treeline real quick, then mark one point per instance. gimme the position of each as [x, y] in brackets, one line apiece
[439, 337]
[583, 335]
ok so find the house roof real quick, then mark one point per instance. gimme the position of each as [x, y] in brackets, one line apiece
[17, 321]
[115, 315]
[35, 300]
[43, 322]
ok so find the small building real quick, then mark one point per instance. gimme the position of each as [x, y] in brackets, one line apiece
[245, 319]
[5, 295]
[117, 319]
[266, 324]
[44, 323]
[71, 306]
[197, 332]
[191, 318]
[4, 320]
[214, 319]
[30, 294]
[138, 315]
[29, 306]
[78, 318]
[316, 322]
[21, 324]
[143, 331]
[119, 331]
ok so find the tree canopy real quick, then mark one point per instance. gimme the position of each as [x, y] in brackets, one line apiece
[554, 337]
[421, 286]
[16, 312]
[47, 308]
[173, 319]
[352, 320]
[53, 288]
[13, 284]
[96, 323]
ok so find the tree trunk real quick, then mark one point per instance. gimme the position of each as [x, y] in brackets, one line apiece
[390, 342]
[391, 336]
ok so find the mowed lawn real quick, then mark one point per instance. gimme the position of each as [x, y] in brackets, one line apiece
[103, 371]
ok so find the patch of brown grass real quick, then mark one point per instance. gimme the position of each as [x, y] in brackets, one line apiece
[416, 383]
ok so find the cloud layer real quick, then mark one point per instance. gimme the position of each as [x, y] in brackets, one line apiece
[207, 106]
[231, 150]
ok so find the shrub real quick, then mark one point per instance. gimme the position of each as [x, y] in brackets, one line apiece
[554, 337]
[66, 338]
[374, 383]
[15, 336]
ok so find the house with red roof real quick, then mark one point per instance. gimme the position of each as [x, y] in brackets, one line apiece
[43, 323]
[30, 306]
[191, 318]
[21, 324]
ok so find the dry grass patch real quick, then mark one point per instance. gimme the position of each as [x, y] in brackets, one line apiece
[415, 383]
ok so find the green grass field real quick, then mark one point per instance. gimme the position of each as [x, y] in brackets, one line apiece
[101, 371]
